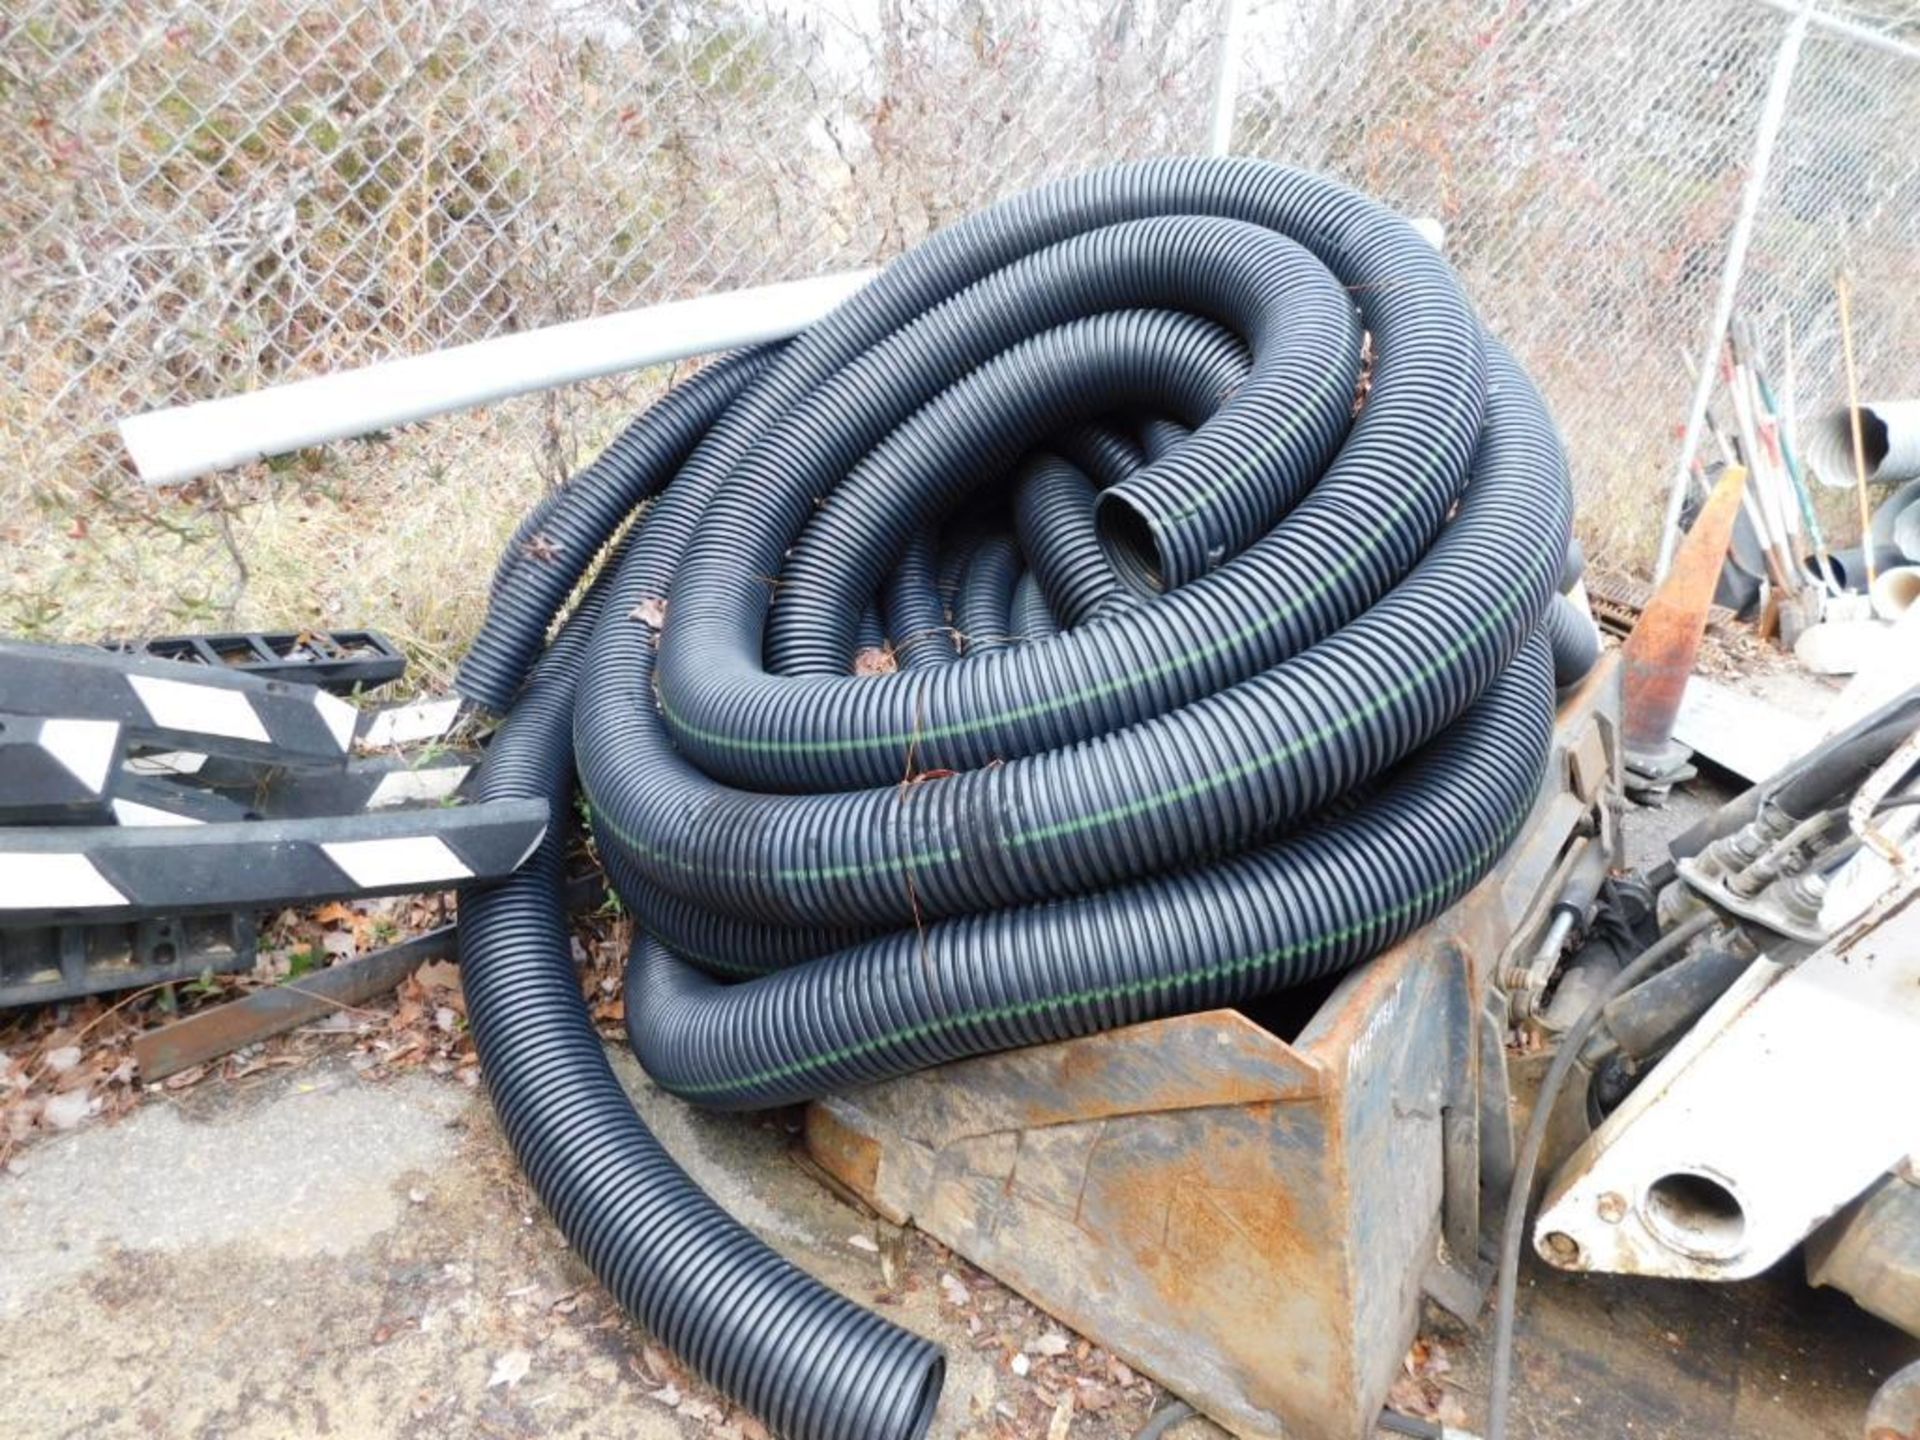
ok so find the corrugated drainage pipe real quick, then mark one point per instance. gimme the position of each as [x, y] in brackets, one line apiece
[1896, 591]
[1288, 717]
[1889, 441]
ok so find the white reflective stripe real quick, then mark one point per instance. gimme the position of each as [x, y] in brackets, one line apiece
[132, 812]
[340, 717]
[198, 709]
[427, 720]
[527, 854]
[403, 860]
[400, 787]
[85, 747]
[54, 882]
[167, 762]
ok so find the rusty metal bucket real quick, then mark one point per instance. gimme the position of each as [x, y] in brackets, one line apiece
[1248, 1206]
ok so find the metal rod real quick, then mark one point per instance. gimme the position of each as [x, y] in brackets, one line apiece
[1842, 290]
[1850, 29]
[223, 1029]
[1226, 76]
[1772, 114]
[185, 441]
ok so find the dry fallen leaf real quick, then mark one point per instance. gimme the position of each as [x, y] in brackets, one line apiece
[66, 1110]
[1093, 1396]
[510, 1369]
[439, 975]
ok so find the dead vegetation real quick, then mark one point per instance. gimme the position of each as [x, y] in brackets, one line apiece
[71, 1063]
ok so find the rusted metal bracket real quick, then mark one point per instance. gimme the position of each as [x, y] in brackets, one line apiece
[1248, 1206]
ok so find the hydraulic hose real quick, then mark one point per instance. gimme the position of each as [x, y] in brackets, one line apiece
[1242, 699]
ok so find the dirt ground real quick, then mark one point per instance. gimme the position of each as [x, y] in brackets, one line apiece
[312, 1253]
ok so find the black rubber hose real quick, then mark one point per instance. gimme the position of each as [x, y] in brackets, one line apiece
[1230, 768]
[1100, 452]
[1317, 902]
[1327, 729]
[1811, 782]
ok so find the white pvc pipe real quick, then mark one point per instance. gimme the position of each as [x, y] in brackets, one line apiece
[185, 441]
[1896, 591]
[1772, 114]
[1226, 76]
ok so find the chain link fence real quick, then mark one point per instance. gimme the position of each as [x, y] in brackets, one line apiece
[1588, 160]
[215, 195]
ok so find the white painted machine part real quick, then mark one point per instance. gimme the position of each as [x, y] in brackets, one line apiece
[398, 860]
[1864, 878]
[1779, 1107]
[185, 441]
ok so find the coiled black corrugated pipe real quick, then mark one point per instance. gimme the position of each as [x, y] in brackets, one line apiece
[1573, 639]
[1291, 711]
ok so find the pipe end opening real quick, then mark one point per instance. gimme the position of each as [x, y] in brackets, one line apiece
[1127, 539]
[1696, 1215]
[928, 1398]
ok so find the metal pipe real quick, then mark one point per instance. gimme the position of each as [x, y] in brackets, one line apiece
[1772, 114]
[1850, 29]
[184, 441]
